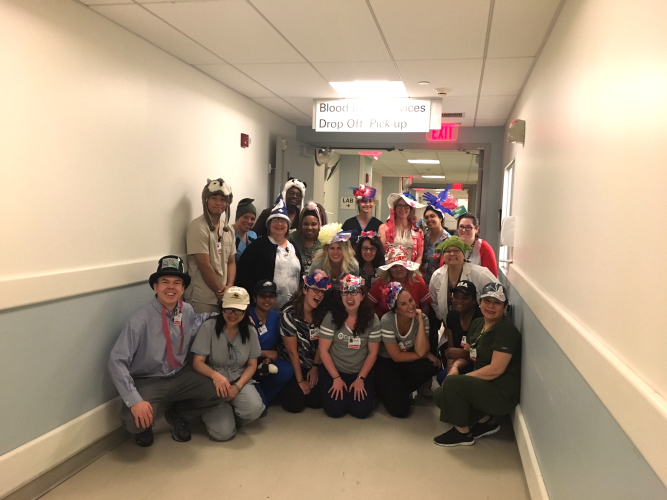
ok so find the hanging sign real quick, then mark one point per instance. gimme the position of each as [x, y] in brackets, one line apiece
[372, 115]
[447, 132]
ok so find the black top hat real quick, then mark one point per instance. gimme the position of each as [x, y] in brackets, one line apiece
[170, 265]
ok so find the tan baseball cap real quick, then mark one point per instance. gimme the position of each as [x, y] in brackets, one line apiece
[236, 298]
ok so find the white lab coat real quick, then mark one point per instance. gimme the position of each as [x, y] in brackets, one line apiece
[478, 275]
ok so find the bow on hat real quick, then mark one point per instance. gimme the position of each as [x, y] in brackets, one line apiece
[364, 192]
[367, 234]
[444, 202]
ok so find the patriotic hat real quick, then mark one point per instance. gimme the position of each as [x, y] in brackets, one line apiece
[364, 192]
[397, 255]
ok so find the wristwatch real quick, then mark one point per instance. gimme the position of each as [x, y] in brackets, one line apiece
[362, 378]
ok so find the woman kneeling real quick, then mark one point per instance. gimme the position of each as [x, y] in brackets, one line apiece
[404, 363]
[349, 344]
[232, 347]
[492, 388]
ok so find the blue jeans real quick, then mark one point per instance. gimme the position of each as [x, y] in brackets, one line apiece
[270, 385]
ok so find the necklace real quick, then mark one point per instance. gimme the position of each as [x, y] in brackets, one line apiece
[469, 253]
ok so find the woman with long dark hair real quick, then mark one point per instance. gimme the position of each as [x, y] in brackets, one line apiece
[480, 252]
[231, 344]
[349, 342]
[299, 328]
[370, 255]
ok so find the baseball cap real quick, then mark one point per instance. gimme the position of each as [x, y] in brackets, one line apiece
[236, 298]
[495, 290]
[467, 287]
[263, 287]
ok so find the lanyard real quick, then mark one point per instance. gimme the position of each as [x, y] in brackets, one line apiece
[481, 335]
[167, 335]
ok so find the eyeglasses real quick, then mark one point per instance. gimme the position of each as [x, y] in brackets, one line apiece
[466, 228]
[318, 291]
[229, 310]
[452, 250]
[353, 293]
[402, 207]
[369, 249]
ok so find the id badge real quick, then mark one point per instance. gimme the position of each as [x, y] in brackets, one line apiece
[178, 319]
[262, 330]
[463, 340]
[401, 346]
[219, 246]
[314, 335]
[354, 343]
[473, 353]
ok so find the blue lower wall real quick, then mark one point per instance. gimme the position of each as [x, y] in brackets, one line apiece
[582, 451]
[53, 360]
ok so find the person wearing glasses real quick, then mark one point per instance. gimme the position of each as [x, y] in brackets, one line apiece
[370, 255]
[401, 228]
[299, 329]
[350, 338]
[232, 347]
[480, 252]
[272, 258]
[456, 269]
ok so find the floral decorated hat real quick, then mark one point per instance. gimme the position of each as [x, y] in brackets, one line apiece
[332, 233]
[409, 199]
[397, 255]
[318, 279]
[364, 192]
[350, 283]
[390, 293]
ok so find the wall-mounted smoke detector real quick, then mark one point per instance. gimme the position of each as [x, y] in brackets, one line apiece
[442, 91]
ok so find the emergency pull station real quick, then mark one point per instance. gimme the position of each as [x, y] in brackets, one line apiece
[245, 140]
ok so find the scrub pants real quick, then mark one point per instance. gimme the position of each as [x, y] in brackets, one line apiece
[395, 382]
[191, 393]
[339, 408]
[270, 385]
[464, 400]
[292, 398]
[221, 422]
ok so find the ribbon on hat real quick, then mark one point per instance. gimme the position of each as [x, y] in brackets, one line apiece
[390, 293]
[363, 192]
[367, 234]
[318, 279]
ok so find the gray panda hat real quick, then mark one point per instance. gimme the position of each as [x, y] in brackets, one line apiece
[214, 187]
[300, 185]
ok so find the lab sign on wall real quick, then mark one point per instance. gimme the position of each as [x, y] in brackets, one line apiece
[376, 115]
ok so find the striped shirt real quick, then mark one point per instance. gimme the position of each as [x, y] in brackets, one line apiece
[292, 326]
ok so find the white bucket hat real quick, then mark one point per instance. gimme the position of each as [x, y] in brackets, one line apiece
[418, 207]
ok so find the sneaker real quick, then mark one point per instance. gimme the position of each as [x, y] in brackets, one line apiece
[454, 438]
[485, 429]
[180, 430]
[144, 438]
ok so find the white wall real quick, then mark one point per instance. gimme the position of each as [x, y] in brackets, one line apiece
[379, 198]
[106, 144]
[590, 256]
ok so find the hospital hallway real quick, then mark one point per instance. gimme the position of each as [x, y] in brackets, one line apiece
[540, 123]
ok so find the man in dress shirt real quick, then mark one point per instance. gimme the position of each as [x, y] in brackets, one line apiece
[148, 362]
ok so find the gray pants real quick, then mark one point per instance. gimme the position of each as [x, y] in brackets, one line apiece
[221, 421]
[191, 393]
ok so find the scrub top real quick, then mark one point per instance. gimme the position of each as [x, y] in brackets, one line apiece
[349, 351]
[268, 334]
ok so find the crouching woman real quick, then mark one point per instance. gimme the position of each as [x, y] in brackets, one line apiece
[470, 402]
[349, 343]
[232, 346]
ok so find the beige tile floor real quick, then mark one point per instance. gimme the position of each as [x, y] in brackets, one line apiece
[309, 456]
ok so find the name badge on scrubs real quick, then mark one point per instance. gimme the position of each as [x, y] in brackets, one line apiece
[178, 318]
[262, 330]
[401, 346]
[463, 340]
[314, 333]
[219, 246]
[354, 343]
[473, 353]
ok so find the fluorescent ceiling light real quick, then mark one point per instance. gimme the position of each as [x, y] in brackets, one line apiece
[433, 176]
[425, 161]
[370, 89]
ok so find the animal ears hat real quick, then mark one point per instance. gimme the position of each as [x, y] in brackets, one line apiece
[214, 187]
[279, 211]
[300, 185]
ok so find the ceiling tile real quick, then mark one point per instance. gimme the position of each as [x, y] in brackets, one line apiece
[459, 104]
[303, 104]
[433, 29]
[290, 80]
[305, 23]
[232, 29]
[494, 107]
[105, 2]
[505, 76]
[235, 80]
[281, 108]
[141, 22]
[420, 155]
[461, 76]
[519, 26]
[350, 71]
[491, 123]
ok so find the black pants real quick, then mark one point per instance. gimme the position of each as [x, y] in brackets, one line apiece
[395, 382]
[434, 325]
[292, 398]
[190, 392]
[341, 407]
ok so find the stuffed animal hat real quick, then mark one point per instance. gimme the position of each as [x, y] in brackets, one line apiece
[212, 188]
[300, 185]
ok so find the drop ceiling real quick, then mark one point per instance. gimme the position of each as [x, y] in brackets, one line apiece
[283, 53]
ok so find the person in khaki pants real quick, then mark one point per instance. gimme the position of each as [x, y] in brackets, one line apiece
[211, 248]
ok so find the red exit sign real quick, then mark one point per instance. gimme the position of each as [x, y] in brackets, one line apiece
[447, 133]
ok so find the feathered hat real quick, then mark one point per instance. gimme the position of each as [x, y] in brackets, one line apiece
[332, 233]
[364, 192]
[212, 188]
[300, 185]
[279, 211]
[443, 203]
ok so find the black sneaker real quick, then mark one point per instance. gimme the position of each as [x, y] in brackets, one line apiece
[144, 438]
[454, 438]
[485, 429]
[180, 430]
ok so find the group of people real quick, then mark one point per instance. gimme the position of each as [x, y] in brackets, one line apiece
[285, 307]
